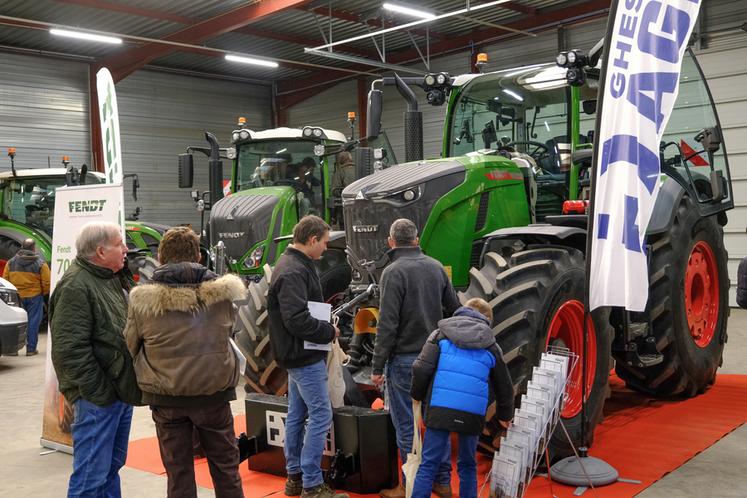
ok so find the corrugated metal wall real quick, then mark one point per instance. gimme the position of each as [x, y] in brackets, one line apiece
[43, 111]
[160, 115]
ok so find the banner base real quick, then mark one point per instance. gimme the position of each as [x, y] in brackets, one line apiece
[53, 445]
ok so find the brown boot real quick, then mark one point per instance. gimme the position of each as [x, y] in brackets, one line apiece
[442, 490]
[294, 485]
[322, 491]
[397, 491]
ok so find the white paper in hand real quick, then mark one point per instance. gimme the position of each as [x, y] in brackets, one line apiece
[320, 311]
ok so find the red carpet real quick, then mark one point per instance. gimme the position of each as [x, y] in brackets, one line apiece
[642, 438]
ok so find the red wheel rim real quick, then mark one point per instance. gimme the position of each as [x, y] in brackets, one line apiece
[702, 294]
[566, 329]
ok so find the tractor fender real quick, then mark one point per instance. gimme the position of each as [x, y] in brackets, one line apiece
[12, 234]
[540, 233]
[665, 208]
[337, 240]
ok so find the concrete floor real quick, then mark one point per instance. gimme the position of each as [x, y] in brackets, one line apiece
[25, 471]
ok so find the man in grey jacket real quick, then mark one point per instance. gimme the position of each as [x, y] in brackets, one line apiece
[415, 294]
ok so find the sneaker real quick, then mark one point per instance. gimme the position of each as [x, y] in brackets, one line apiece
[322, 491]
[397, 491]
[442, 490]
[293, 485]
[32, 352]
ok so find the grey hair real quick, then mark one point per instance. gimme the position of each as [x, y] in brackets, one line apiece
[94, 235]
[403, 231]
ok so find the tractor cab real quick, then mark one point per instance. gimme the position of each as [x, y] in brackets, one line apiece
[278, 176]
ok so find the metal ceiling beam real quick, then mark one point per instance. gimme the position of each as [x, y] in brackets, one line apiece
[167, 16]
[377, 23]
[320, 82]
[125, 63]
[524, 9]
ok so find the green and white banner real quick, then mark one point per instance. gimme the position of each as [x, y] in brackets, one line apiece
[74, 207]
[109, 119]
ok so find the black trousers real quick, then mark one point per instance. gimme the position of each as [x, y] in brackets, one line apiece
[214, 424]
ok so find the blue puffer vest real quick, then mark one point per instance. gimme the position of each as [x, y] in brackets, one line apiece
[461, 381]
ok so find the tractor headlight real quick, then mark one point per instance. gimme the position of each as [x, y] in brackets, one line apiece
[441, 78]
[10, 297]
[571, 57]
[244, 134]
[562, 59]
[255, 258]
[318, 132]
[307, 132]
[429, 80]
[235, 136]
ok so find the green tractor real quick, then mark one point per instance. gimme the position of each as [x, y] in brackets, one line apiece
[277, 176]
[27, 211]
[504, 211]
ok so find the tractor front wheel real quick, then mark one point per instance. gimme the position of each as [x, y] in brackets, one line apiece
[537, 301]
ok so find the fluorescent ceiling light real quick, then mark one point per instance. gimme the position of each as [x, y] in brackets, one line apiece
[514, 95]
[401, 9]
[81, 35]
[251, 60]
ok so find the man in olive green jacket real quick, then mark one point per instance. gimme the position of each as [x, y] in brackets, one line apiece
[88, 312]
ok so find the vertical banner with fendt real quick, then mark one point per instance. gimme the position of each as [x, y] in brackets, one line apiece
[643, 57]
[74, 207]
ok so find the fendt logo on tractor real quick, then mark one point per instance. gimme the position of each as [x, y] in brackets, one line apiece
[86, 206]
[365, 228]
[230, 235]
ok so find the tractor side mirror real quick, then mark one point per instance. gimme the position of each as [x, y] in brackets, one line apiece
[135, 187]
[186, 170]
[710, 139]
[373, 113]
[589, 106]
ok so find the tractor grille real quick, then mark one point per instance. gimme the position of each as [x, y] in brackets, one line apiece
[241, 221]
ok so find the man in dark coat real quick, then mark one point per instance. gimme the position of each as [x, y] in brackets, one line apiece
[88, 312]
[415, 294]
[453, 374]
[296, 337]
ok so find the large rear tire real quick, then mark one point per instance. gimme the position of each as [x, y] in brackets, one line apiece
[8, 248]
[263, 374]
[688, 306]
[537, 300]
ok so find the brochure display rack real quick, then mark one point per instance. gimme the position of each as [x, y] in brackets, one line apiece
[523, 446]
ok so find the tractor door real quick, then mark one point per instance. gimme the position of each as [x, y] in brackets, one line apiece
[692, 148]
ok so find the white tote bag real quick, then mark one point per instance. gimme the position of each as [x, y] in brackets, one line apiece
[410, 467]
[336, 359]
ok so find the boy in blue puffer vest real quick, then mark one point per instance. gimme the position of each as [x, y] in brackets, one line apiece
[458, 365]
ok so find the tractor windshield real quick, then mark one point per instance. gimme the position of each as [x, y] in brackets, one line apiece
[524, 108]
[282, 162]
[30, 200]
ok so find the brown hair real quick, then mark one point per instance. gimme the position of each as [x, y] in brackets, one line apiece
[309, 226]
[481, 306]
[179, 245]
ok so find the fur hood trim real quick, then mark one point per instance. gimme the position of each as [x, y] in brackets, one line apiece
[157, 299]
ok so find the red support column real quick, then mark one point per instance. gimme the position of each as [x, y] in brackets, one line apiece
[362, 106]
[97, 146]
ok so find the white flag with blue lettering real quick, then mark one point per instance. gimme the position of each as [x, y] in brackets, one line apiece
[643, 60]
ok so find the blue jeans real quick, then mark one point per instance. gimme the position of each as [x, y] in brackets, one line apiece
[100, 436]
[308, 397]
[34, 307]
[398, 381]
[431, 461]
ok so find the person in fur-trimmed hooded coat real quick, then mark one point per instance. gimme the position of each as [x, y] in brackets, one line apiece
[178, 331]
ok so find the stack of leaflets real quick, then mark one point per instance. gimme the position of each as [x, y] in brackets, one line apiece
[522, 447]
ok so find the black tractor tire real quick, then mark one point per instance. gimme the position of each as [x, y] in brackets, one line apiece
[8, 248]
[687, 368]
[263, 374]
[525, 291]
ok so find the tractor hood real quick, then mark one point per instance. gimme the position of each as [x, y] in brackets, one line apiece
[407, 190]
[400, 178]
[241, 221]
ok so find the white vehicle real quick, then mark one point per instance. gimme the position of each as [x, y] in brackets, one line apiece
[13, 320]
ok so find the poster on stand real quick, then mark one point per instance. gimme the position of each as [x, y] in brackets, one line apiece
[74, 207]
